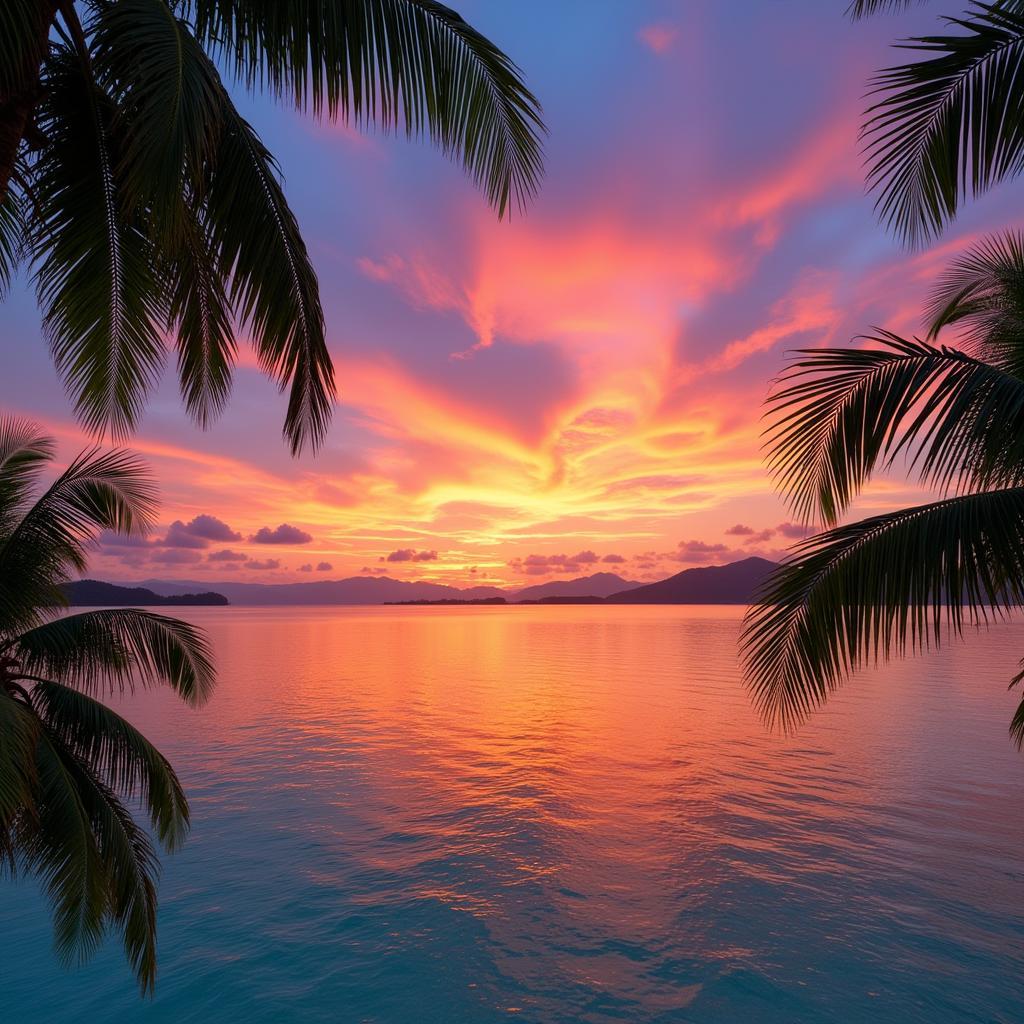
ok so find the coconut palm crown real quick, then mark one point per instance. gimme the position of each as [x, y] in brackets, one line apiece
[68, 764]
[863, 591]
[148, 209]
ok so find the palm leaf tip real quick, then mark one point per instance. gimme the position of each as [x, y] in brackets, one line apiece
[948, 125]
[866, 8]
[117, 647]
[863, 592]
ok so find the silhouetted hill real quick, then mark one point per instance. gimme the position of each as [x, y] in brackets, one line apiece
[96, 594]
[601, 584]
[735, 583]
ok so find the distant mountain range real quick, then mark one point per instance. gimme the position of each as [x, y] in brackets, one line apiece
[96, 594]
[735, 583]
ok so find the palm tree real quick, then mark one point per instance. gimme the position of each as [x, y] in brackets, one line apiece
[147, 207]
[863, 591]
[67, 762]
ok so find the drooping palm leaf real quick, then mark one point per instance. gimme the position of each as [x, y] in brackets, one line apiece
[19, 31]
[130, 870]
[12, 236]
[200, 316]
[56, 843]
[117, 648]
[273, 285]
[19, 731]
[883, 586]
[411, 65]
[950, 124]
[102, 305]
[168, 97]
[118, 753]
[840, 414]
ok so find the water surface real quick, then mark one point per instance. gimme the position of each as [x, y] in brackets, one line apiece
[564, 814]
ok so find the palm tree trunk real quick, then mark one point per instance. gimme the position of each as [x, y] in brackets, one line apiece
[19, 99]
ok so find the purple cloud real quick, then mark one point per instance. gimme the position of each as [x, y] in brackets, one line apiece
[283, 534]
[794, 531]
[178, 536]
[324, 567]
[268, 563]
[226, 555]
[411, 555]
[539, 565]
[211, 528]
[739, 530]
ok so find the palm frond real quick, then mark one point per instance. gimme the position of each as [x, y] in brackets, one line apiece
[12, 236]
[56, 843]
[22, 40]
[168, 98]
[949, 124]
[838, 414]
[99, 490]
[273, 284]
[411, 65]
[862, 592]
[982, 293]
[201, 317]
[23, 451]
[117, 648]
[102, 306]
[118, 753]
[129, 871]
[19, 730]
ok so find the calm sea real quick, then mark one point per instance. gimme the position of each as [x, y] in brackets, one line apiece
[564, 814]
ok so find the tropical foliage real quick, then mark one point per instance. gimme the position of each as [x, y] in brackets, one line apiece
[904, 580]
[68, 764]
[949, 124]
[146, 206]
[941, 128]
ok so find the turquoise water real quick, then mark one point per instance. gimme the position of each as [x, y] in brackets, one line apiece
[564, 814]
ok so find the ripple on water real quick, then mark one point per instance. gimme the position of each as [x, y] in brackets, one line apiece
[565, 815]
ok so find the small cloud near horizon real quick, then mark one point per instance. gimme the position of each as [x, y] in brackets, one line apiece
[411, 555]
[540, 565]
[268, 563]
[283, 534]
[226, 555]
[740, 530]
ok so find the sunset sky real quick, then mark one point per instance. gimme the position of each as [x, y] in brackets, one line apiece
[579, 389]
